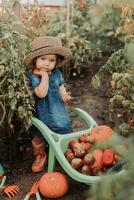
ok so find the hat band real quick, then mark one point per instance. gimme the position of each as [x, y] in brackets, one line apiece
[40, 48]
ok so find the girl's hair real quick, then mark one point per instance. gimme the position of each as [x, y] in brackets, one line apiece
[59, 58]
[33, 62]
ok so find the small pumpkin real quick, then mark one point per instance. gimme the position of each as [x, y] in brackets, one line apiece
[76, 163]
[86, 145]
[72, 143]
[97, 164]
[82, 138]
[101, 133]
[86, 170]
[108, 157]
[68, 151]
[53, 185]
[70, 157]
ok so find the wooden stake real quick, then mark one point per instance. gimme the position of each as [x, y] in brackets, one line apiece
[68, 19]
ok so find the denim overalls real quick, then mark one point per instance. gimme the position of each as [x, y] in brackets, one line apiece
[51, 109]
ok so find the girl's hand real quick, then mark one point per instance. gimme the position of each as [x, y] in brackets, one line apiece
[67, 97]
[41, 72]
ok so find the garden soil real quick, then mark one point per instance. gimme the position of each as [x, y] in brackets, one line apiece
[19, 172]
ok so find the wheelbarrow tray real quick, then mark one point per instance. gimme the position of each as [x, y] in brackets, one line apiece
[59, 143]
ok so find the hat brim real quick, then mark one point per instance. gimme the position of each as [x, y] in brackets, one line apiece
[62, 51]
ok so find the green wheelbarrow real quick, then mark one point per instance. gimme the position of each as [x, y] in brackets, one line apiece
[2, 177]
[59, 143]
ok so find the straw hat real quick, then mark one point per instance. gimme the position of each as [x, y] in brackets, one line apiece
[48, 45]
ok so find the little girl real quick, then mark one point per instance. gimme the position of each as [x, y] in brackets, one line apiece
[50, 94]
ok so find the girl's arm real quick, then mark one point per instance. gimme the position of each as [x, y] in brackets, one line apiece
[65, 95]
[42, 89]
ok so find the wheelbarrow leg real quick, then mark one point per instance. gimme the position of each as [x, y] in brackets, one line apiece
[51, 159]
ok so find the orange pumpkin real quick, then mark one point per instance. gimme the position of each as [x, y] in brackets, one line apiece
[53, 185]
[97, 154]
[101, 133]
[108, 157]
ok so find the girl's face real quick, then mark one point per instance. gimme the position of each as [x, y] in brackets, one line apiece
[46, 62]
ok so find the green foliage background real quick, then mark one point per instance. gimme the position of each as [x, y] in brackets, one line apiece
[15, 95]
[118, 73]
[92, 34]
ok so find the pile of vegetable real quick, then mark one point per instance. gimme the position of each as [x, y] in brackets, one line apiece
[84, 155]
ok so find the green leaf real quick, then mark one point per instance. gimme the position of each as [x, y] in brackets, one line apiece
[13, 103]
[11, 91]
[96, 82]
[130, 52]
[2, 70]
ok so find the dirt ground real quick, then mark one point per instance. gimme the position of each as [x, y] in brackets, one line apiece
[20, 173]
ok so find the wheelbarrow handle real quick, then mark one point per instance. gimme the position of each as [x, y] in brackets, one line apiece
[86, 117]
[38, 196]
[49, 135]
[27, 197]
[3, 182]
